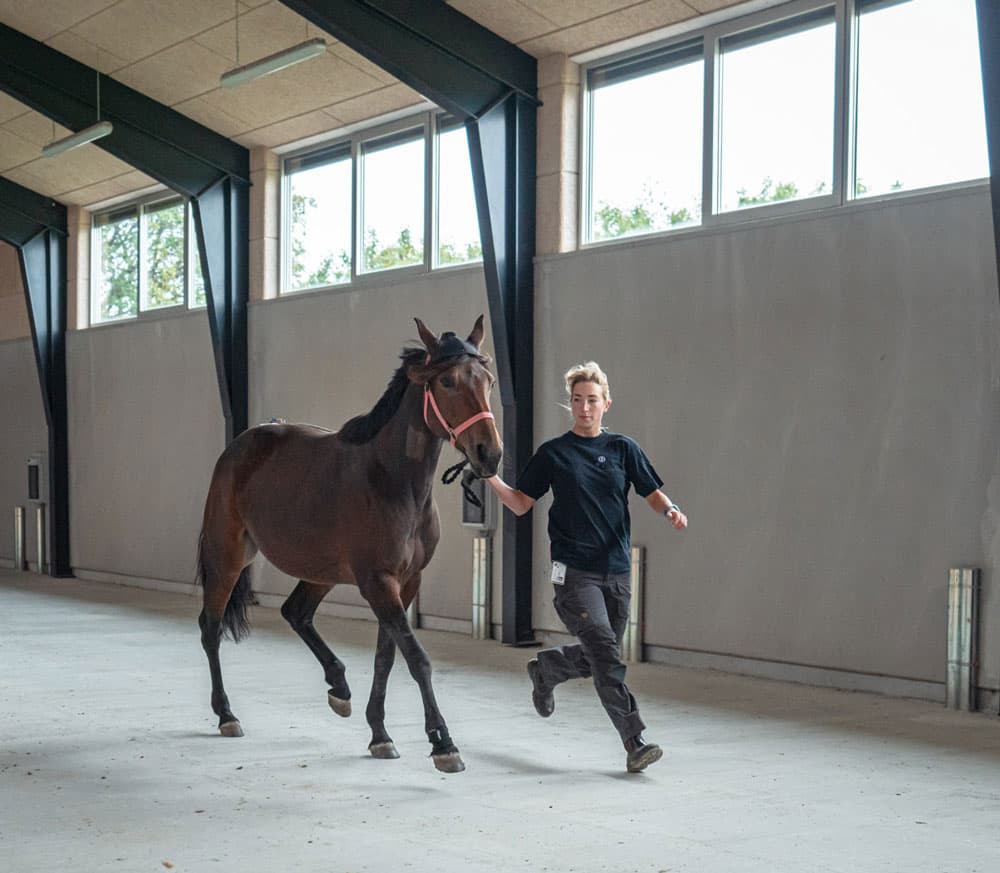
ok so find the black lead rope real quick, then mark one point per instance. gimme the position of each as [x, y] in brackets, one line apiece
[452, 473]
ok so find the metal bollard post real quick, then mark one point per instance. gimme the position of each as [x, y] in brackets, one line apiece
[963, 642]
[18, 537]
[482, 587]
[40, 539]
[632, 638]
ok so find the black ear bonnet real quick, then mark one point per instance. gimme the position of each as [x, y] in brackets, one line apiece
[451, 346]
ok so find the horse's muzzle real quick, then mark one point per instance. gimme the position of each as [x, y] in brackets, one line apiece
[484, 458]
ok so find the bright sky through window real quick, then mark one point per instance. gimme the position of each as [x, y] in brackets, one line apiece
[776, 118]
[920, 97]
[646, 151]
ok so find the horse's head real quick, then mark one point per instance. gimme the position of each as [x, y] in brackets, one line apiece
[457, 386]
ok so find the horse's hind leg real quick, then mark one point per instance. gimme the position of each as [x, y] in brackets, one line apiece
[298, 610]
[225, 579]
[387, 604]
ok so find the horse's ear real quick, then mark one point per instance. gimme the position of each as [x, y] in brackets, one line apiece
[426, 337]
[476, 337]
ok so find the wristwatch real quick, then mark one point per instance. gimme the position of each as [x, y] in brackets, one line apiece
[671, 508]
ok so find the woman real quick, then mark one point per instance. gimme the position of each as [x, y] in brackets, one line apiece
[590, 472]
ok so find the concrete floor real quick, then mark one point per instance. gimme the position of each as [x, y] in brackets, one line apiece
[110, 761]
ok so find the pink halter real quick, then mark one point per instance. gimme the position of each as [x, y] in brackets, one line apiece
[465, 425]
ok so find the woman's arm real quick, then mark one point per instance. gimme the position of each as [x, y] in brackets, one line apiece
[516, 501]
[663, 505]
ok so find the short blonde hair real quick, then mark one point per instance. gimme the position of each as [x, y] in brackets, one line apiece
[587, 372]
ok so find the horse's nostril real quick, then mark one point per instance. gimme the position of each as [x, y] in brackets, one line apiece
[482, 452]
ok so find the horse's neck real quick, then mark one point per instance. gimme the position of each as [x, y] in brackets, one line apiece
[405, 446]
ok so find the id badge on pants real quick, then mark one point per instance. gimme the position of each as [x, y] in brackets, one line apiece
[558, 573]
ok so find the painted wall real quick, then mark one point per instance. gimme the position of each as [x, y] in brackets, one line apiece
[820, 394]
[23, 433]
[14, 322]
[145, 426]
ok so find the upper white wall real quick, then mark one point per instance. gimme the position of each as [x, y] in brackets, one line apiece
[820, 396]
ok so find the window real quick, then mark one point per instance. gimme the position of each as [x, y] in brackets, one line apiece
[320, 219]
[380, 200]
[920, 119]
[392, 201]
[776, 112]
[116, 237]
[457, 230]
[646, 143]
[143, 257]
[806, 105]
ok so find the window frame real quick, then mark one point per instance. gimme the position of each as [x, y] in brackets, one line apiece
[140, 206]
[426, 121]
[845, 102]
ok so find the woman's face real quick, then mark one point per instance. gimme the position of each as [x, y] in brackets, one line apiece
[588, 406]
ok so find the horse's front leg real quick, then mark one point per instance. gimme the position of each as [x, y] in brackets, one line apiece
[381, 745]
[387, 604]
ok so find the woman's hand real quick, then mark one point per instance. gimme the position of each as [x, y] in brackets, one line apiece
[677, 518]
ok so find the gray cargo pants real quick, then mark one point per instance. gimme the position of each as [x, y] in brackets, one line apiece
[594, 608]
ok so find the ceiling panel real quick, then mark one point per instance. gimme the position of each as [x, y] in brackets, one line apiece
[45, 19]
[178, 73]
[606, 29]
[74, 45]
[135, 29]
[512, 20]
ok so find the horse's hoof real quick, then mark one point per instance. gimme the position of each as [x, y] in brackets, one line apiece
[383, 750]
[231, 729]
[450, 763]
[339, 705]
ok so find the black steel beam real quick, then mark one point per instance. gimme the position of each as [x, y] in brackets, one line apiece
[492, 85]
[443, 54]
[502, 148]
[36, 227]
[176, 151]
[170, 147]
[988, 14]
[221, 216]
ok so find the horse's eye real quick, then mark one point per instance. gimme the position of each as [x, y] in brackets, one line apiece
[447, 382]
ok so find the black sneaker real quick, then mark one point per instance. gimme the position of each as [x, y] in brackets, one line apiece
[641, 754]
[541, 694]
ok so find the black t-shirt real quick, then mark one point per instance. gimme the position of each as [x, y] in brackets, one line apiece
[590, 477]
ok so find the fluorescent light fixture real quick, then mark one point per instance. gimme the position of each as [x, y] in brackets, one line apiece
[272, 63]
[81, 137]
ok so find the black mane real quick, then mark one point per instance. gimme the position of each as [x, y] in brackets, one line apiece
[363, 428]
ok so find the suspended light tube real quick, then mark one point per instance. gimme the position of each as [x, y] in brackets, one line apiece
[81, 137]
[272, 63]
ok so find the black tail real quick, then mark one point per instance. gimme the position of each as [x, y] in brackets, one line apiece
[236, 618]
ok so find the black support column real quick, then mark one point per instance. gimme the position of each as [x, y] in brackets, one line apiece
[491, 84]
[36, 227]
[988, 13]
[198, 163]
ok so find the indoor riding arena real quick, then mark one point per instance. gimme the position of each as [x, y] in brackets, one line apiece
[475, 436]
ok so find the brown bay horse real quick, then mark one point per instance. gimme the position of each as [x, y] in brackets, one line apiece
[351, 507]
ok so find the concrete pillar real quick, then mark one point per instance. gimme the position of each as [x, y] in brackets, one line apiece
[558, 155]
[265, 222]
